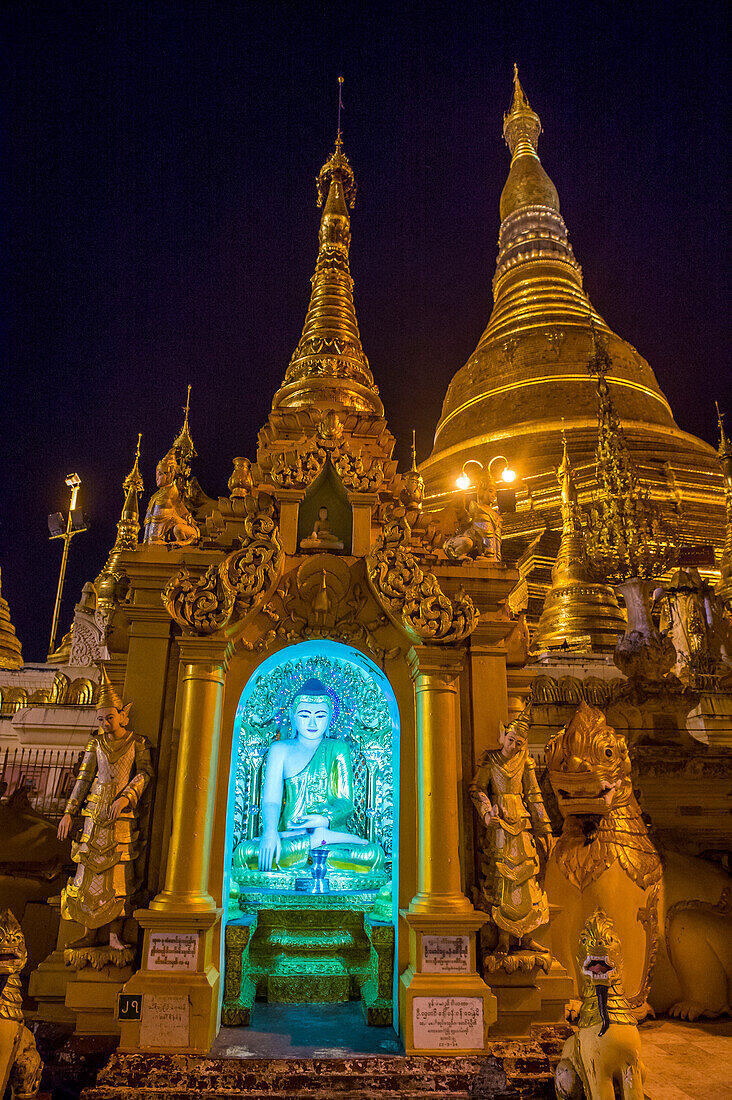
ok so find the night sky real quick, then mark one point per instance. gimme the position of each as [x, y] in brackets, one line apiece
[161, 225]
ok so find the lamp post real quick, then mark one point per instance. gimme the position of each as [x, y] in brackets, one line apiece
[506, 494]
[59, 528]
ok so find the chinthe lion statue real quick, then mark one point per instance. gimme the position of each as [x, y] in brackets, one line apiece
[603, 1058]
[20, 1063]
[605, 859]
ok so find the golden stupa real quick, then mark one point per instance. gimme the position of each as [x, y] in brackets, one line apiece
[11, 655]
[529, 372]
[578, 611]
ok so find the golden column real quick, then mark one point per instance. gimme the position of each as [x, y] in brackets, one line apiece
[178, 982]
[201, 688]
[444, 1006]
[436, 675]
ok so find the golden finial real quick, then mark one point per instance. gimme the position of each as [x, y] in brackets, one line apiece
[725, 450]
[183, 443]
[340, 108]
[521, 126]
[108, 696]
[337, 168]
[414, 451]
[133, 481]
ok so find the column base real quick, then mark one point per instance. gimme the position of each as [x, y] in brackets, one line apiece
[445, 1007]
[178, 984]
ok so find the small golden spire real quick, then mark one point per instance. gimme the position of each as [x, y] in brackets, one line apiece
[577, 611]
[414, 451]
[183, 444]
[328, 365]
[128, 531]
[11, 654]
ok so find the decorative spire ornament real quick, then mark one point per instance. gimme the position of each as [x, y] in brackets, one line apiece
[128, 531]
[328, 367]
[628, 537]
[578, 612]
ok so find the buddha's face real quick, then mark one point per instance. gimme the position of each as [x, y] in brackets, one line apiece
[311, 720]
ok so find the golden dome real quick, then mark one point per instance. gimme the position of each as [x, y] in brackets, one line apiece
[529, 373]
[11, 654]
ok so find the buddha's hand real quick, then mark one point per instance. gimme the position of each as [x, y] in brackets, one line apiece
[270, 847]
[63, 826]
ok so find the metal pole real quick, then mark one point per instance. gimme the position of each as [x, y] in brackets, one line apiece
[62, 575]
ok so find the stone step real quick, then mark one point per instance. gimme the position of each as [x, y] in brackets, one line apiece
[517, 1071]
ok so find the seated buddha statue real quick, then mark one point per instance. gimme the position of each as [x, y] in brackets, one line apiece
[307, 799]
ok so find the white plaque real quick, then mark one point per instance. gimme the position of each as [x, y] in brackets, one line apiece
[172, 951]
[165, 1021]
[445, 955]
[447, 1023]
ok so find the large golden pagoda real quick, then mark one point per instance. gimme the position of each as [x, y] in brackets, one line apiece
[529, 371]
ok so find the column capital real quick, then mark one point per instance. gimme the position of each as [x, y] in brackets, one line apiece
[445, 662]
[207, 651]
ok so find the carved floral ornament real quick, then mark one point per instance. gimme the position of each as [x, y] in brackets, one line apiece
[297, 469]
[230, 590]
[413, 598]
[325, 598]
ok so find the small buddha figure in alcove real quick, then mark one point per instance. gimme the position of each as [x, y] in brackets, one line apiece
[322, 538]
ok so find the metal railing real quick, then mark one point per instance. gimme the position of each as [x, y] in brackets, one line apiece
[40, 778]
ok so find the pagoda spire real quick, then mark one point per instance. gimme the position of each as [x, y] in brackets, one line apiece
[724, 588]
[128, 529]
[183, 444]
[328, 367]
[11, 654]
[577, 611]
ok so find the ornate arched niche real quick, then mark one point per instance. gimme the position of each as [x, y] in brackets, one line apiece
[280, 919]
[327, 492]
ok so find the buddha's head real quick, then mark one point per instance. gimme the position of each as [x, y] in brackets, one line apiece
[311, 710]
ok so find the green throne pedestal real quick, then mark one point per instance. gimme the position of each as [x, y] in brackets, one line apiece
[293, 948]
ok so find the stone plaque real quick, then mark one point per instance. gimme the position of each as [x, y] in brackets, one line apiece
[172, 951]
[448, 1023]
[445, 955]
[165, 1021]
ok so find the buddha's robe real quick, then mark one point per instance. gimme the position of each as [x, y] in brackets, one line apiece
[324, 786]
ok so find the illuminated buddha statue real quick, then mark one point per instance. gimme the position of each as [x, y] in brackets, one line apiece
[307, 799]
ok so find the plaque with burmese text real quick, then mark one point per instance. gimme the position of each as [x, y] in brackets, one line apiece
[165, 1021]
[445, 955]
[172, 951]
[447, 1023]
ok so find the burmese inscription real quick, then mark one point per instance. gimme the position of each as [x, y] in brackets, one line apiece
[445, 955]
[172, 951]
[165, 1021]
[448, 1023]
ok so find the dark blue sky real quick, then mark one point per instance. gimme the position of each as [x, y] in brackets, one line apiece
[161, 226]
